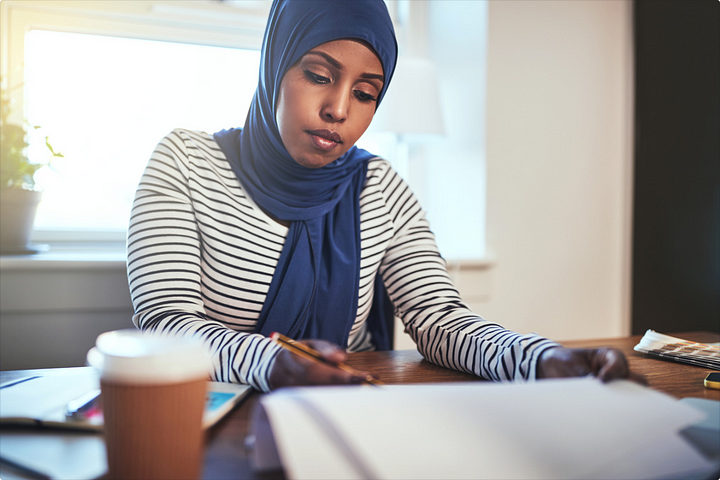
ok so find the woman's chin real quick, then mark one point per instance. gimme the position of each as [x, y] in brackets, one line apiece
[315, 161]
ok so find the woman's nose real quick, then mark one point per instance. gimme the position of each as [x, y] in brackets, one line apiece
[336, 105]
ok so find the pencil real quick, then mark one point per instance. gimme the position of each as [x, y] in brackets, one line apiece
[314, 356]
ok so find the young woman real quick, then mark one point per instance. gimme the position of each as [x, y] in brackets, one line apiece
[284, 225]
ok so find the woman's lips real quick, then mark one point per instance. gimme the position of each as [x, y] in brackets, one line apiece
[325, 139]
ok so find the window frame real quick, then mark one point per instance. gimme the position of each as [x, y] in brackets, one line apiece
[229, 24]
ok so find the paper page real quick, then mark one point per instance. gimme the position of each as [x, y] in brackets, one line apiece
[45, 398]
[305, 450]
[550, 429]
[60, 455]
[666, 458]
[679, 350]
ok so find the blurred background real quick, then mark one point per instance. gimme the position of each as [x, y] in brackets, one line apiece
[567, 153]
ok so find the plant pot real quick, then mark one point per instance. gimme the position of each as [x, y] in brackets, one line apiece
[17, 215]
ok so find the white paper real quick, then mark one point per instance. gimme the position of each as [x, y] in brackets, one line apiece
[669, 457]
[551, 429]
[45, 398]
[60, 455]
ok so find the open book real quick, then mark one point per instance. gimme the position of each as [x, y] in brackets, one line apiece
[43, 400]
[679, 350]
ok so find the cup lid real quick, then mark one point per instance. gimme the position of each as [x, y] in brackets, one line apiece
[140, 357]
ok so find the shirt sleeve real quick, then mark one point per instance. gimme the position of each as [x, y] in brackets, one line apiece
[164, 249]
[446, 332]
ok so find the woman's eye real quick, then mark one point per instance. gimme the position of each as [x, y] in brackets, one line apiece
[364, 97]
[316, 78]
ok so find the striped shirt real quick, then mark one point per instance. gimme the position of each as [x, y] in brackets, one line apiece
[201, 256]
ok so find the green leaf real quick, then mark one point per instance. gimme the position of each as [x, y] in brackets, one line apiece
[15, 168]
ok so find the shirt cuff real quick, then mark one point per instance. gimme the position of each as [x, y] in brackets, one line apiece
[260, 379]
[535, 357]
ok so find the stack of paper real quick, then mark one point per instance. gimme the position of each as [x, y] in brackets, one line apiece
[679, 350]
[573, 428]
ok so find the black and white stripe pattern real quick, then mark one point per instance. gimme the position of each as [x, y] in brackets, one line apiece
[201, 256]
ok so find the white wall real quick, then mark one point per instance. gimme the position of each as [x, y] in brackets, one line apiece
[559, 165]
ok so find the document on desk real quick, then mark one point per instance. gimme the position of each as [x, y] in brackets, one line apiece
[43, 401]
[78, 454]
[679, 350]
[570, 428]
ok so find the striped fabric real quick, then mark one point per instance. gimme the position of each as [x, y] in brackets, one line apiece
[201, 256]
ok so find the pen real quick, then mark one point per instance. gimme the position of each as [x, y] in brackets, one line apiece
[314, 356]
[78, 407]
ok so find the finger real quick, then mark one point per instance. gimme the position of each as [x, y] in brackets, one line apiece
[578, 363]
[609, 364]
[329, 351]
[337, 357]
[291, 370]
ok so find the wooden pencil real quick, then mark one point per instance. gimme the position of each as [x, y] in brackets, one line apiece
[313, 355]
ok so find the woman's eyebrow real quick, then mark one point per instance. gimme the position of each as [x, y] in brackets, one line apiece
[338, 65]
[373, 76]
[327, 57]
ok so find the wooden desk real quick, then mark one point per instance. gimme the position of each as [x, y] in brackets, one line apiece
[226, 458]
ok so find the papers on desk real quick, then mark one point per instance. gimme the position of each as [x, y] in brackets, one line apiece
[43, 400]
[574, 428]
[679, 350]
[76, 455]
[55, 454]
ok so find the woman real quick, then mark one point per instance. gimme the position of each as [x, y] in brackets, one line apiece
[284, 225]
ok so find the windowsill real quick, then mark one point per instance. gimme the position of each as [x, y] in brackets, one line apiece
[111, 255]
[70, 256]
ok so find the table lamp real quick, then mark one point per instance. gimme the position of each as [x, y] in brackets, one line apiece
[412, 104]
[410, 110]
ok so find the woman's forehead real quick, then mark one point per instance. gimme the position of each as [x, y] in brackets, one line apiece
[349, 51]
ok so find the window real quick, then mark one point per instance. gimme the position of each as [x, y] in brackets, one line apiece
[107, 105]
[106, 80]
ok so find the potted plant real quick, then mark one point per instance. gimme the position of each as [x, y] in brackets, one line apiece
[18, 197]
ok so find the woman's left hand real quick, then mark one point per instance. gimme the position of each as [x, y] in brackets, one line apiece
[604, 363]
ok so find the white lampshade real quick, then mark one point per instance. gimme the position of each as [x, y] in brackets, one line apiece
[412, 103]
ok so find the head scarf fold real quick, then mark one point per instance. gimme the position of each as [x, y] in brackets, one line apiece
[314, 290]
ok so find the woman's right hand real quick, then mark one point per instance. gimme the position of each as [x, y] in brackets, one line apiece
[291, 370]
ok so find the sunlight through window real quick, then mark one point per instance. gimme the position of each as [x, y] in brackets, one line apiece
[105, 102]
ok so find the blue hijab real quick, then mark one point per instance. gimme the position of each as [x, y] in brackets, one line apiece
[314, 291]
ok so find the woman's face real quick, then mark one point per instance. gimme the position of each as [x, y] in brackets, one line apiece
[327, 100]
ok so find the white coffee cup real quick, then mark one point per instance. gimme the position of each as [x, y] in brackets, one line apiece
[153, 396]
